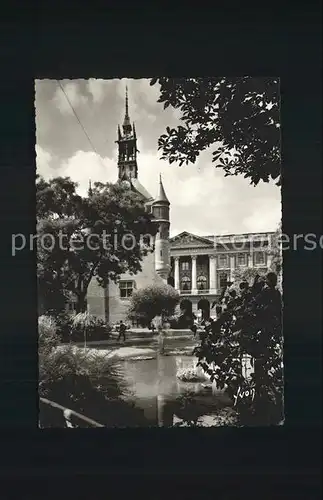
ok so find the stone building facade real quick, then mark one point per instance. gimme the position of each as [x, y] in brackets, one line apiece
[112, 303]
[201, 266]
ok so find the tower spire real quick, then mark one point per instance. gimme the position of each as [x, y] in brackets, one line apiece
[90, 192]
[160, 209]
[127, 109]
[161, 196]
[126, 122]
[127, 146]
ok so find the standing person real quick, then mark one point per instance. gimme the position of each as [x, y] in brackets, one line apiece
[122, 331]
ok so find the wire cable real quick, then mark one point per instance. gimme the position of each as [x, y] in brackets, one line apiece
[80, 123]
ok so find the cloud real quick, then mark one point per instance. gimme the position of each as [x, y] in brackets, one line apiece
[203, 201]
[43, 161]
[84, 166]
[74, 98]
[141, 97]
[265, 217]
[98, 89]
[187, 186]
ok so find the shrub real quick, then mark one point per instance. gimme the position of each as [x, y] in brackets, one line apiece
[175, 321]
[155, 300]
[190, 375]
[64, 323]
[90, 385]
[252, 325]
[85, 326]
[47, 333]
[187, 408]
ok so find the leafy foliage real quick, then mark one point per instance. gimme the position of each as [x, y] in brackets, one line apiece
[190, 375]
[90, 385]
[89, 327]
[251, 324]
[84, 238]
[239, 116]
[276, 253]
[48, 337]
[152, 301]
[64, 322]
[245, 275]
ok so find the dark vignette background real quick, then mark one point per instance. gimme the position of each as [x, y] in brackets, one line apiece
[72, 42]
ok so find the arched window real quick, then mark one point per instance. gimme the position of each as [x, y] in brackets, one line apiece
[242, 259]
[185, 283]
[185, 265]
[201, 283]
[223, 261]
[259, 258]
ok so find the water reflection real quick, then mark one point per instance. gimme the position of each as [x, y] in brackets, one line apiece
[161, 395]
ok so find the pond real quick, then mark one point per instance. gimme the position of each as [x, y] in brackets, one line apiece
[166, 400]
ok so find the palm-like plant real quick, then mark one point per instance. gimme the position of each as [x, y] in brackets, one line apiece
[83, 323]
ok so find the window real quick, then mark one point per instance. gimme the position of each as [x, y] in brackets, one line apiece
[163, 231]
[185, 265]
[259, 258]
[223, 279]
[260, 243]
[185, 283]
[242, 259]
[70, 307]
[126, 289]
[223, 261]
[146, 240]
[201, 283]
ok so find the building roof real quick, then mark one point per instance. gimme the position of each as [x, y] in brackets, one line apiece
[161, 196]
[186, 239]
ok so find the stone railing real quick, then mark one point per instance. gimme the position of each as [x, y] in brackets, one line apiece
[69, 414]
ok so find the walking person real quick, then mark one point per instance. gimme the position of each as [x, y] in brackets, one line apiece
[122, 331]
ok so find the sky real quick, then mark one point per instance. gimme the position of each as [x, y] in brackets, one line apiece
[83, 147]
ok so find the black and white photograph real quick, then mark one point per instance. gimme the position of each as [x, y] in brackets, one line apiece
[159, 252]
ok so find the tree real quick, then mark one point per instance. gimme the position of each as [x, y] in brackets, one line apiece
[56, 198]
[276, 252]
[152, 301]
[239, 116]
[250, 326]
[249, 274]
[84, 238]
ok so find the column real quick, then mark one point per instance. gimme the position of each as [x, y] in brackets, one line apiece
[212, 271]
[250, 260]
[269, 261]
[194, 287]
[176, 273]
[232, 267]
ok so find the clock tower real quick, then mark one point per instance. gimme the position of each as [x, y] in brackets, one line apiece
[127, 148]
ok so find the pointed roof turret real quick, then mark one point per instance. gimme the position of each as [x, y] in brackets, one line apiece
[161, 196]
